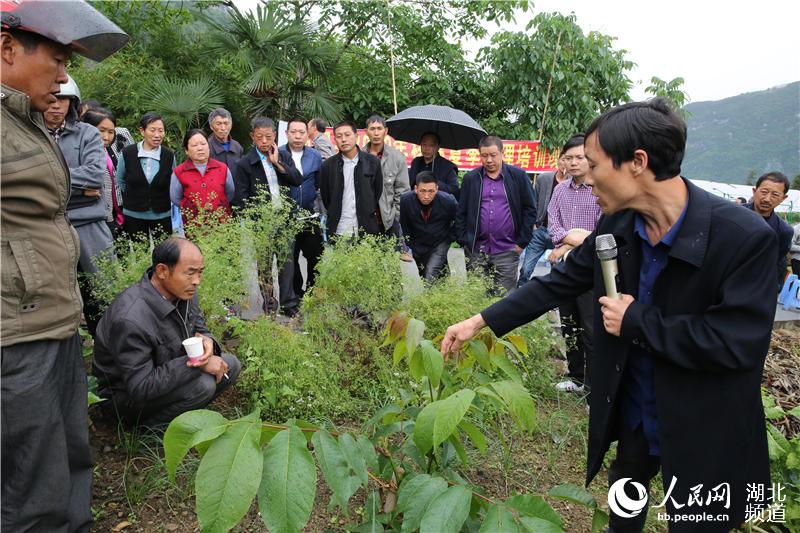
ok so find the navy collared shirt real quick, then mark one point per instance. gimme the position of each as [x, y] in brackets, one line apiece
[638, 388]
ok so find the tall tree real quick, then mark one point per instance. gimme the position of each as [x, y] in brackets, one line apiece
[553, 78]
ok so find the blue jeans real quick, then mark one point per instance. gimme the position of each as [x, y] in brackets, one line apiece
[539, 243]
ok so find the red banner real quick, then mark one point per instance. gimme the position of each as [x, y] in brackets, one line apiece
[524, 154]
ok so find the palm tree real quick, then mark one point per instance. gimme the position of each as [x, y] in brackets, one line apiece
[181, 103]
[285, 71]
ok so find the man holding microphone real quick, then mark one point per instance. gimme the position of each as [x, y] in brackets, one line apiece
[686, 338]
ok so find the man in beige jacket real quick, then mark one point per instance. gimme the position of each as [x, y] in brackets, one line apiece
[47, 466]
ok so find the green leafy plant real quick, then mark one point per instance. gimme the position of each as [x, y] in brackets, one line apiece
[784, 455]
[181, 102]
[410, 451]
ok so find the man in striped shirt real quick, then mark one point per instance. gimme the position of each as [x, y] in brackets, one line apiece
[572, 215]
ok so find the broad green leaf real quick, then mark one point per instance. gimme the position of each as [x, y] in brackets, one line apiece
[459, 448]
[776, 443]
[179, 437]
[267, 433]
[480, 352]
[433, 362]
[414, 496]
[519, 343]
[536, 507]
[367, 450]
[499, 520]
[372, 510]
[437, 421]
[519, 401]
[574, 494]
[228, 476]
[355, 460]
[447, 512]
[289, 483]
[414, 332]
[474, 434]
[599, 520]
[508, 368]
[491, 396]
[774, 412]
[333, 463]
[382, 414]
[532, 524]
[416, 367]
[93, 398]
[795, 412]
[399, 353]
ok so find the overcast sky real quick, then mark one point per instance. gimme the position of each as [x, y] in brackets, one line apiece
[720, 48]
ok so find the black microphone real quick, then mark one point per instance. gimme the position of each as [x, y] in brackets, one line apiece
[606, 247]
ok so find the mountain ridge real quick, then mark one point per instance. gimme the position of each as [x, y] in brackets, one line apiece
[731, 139]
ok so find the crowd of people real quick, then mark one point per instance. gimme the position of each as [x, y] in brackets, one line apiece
[691, 325]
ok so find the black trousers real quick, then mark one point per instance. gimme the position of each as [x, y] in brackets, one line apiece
[309, 241]
[195, 394]
[433, 265]
[633, 461]
[47, 463]
[159, 229]
[577, 328]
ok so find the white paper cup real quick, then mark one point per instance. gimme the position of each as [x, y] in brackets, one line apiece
[193, 347]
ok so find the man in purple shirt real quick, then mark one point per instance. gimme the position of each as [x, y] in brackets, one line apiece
[572, 215]
[496, 212]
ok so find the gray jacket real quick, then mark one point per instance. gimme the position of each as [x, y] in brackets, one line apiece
[323, 145]
[395, 183]
[544, 190]
[138, 350]
[83, 150]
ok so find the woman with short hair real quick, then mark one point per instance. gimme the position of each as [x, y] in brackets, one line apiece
[201, 183]
[143, 178]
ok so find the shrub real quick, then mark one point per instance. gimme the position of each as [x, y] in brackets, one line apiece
[448, 301]
[358, 275]
[287, 375]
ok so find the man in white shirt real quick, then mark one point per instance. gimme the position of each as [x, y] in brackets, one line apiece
[351, 184]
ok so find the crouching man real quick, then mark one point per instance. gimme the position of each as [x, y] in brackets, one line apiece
[139, 358]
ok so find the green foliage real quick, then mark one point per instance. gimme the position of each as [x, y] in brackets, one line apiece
[418, 437]
[587, 77]
[360, 274]
[289, 483]
[182, 102]
[448, 301]
[784, 456]
[285, 72]
[288, 375]
[228, 250]
[672, 91]
[117, 273]
[229, 475]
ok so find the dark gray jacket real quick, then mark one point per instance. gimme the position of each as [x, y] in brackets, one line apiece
[544, 190]
[138, 350]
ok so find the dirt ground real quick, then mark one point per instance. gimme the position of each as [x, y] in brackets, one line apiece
[131, 492]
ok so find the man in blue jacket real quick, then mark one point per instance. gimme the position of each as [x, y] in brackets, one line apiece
[427, 216]
[496, 212]
[308, 161]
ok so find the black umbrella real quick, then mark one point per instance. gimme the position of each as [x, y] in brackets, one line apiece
[455, 129]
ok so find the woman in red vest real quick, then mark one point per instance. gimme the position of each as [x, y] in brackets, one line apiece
[201, 183]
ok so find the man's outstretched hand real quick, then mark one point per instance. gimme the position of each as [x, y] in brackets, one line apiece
[458, 334]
